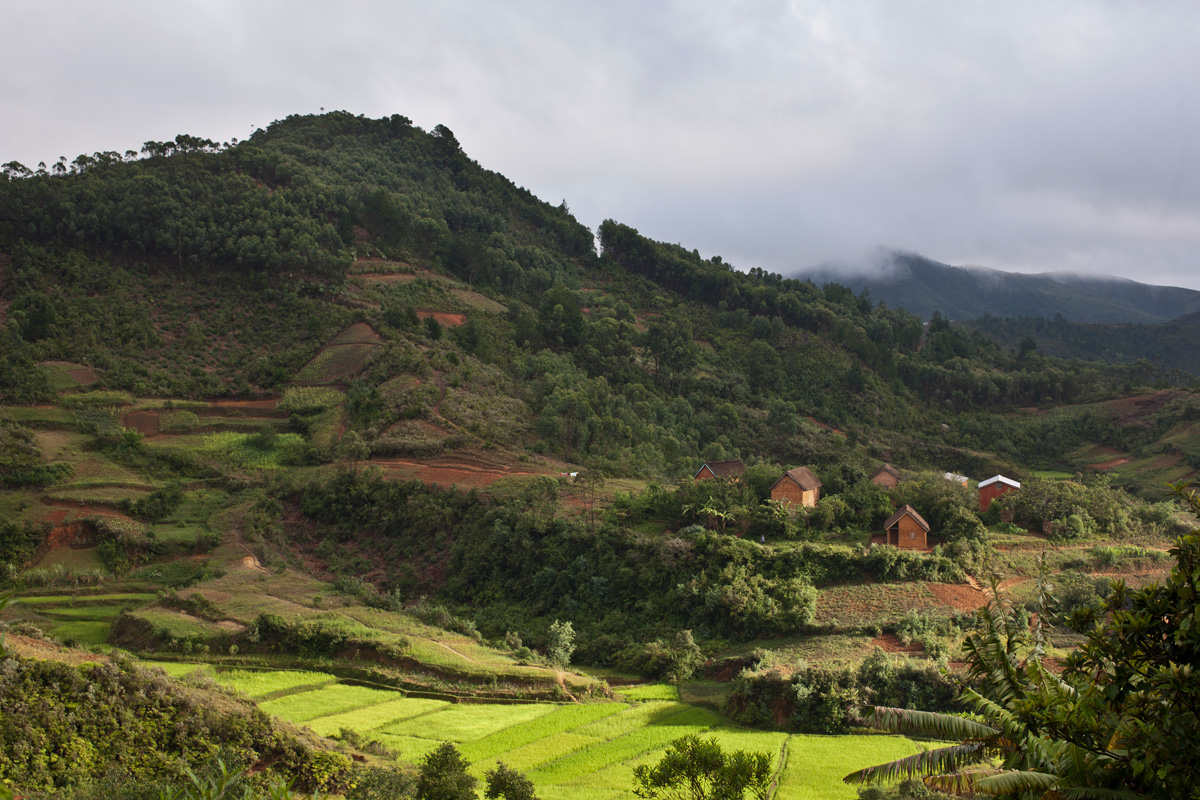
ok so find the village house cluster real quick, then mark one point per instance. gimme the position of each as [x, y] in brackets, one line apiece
[905, 529]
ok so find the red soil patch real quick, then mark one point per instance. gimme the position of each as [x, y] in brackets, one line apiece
[445, 318]
[73, 534]
[1116, 462]
[889, 643]
[84, 509]
[960, 598]
[144, 422]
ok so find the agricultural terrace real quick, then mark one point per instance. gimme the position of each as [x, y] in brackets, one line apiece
[576, 751]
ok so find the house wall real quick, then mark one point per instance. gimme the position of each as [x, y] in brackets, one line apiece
[788, 492]
[911, 535]
[989, 493]
[885, 479]
[704, 474]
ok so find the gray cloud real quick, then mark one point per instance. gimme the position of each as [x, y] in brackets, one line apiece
[1024, 136]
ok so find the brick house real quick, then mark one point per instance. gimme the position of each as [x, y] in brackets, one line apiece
[798, 486]
[907, 529]
[886, 476]
[993, 487]
[730, 470]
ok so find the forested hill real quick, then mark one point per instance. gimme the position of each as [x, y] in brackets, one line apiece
[290, 200]
[923, 286]
[203, 270]
[1171, 345]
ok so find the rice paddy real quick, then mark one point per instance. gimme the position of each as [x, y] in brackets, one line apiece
[584, 751]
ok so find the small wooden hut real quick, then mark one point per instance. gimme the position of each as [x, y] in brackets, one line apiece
[798, 487]
[729, 470]
[907, 529]
[886, 476]
[993, 487]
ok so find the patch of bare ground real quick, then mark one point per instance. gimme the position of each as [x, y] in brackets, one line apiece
[958, 596]
[889, 643]
[446, 318]
[144, 422]
[1115, 462]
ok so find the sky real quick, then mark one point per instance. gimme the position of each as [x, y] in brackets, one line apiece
[1024, 136]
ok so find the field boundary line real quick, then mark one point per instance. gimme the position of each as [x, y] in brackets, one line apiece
[280, 693]
[783, 757]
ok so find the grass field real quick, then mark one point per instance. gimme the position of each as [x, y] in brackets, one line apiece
[268, 684]
[86, 619]
[568, 751]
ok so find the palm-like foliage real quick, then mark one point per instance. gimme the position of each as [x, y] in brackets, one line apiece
[1005, 752]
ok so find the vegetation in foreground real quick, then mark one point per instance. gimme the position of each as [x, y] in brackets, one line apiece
[1118, 722]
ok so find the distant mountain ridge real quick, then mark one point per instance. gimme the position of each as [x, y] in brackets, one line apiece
[923, 286]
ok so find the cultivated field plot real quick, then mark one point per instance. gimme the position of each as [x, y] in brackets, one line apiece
[872, 603]
[83, 619]
[584, 751]
[269, 684]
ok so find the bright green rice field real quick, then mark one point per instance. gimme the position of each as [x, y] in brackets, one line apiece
[576, 751]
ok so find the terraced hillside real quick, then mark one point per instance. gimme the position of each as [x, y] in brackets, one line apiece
[583, 751]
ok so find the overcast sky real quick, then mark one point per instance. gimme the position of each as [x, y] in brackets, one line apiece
[1027, 136]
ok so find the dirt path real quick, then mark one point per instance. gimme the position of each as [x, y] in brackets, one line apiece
[251, 561]
[560, 678]
[463, 656]
[1116, 462]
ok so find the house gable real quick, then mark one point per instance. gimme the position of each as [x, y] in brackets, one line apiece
[732, 469]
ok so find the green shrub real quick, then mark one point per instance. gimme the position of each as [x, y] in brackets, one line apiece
[98, 398]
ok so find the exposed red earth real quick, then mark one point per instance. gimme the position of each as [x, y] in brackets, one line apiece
[444, 317]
